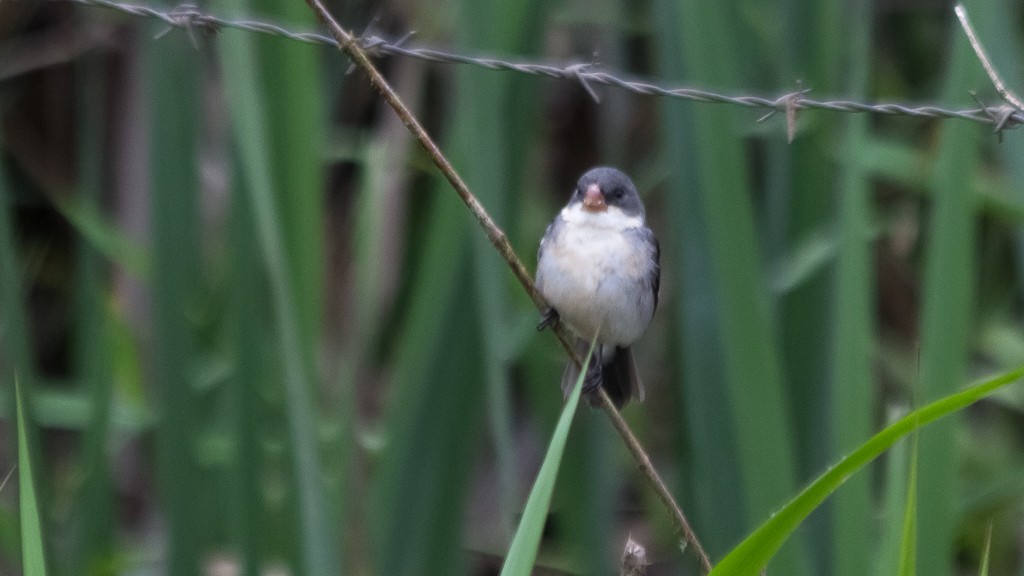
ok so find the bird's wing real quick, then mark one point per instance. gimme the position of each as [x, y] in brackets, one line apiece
[654, 274]
[553, 229]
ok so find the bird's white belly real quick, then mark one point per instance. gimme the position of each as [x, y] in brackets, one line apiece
[596, 279]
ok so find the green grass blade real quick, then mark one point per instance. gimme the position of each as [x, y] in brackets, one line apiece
[799, 177]
[799, 208]
[948, 304]
[908, 538]
[93, 353]
[479, 146]
[103, 236]
[33, 556]
[486, 144]
[75, 410]
[983, 570]
[290, 78]
[290, 146]
[886, 552]
[15, 356]
[172, 77]
[854, 318]
[251, 340]
[317, 536]
[716, 500]
[755, 383]
[437, 402]
[754, 553]
[523, 552]
[892, 160]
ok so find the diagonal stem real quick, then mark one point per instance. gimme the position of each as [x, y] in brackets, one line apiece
[979, 51]
[349, 44]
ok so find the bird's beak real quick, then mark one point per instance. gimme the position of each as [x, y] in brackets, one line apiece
[594, 200]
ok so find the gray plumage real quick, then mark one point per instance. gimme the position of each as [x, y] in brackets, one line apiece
[598, 269]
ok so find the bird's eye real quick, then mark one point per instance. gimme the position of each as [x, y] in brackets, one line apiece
[617, 194]
[578, 192]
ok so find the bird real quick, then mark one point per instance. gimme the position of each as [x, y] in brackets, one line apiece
[598, 269]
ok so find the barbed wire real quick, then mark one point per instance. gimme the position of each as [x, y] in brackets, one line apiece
[193, 20]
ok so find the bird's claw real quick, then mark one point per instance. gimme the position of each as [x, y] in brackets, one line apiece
[592, 380]
[550, 318]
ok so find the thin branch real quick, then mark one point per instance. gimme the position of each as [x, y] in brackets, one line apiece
[349, 44]
[8, 477]
[647, 468]
[979, 50]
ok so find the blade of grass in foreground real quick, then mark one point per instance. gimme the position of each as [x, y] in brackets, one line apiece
[983, 571]
[886, 553]
[33, 558]
[758, 548]
[908, 542]
[523, 552]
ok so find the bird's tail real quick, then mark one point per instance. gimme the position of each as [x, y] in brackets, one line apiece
[620, 378]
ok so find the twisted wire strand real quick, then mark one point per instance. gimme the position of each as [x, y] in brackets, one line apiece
[191, 19]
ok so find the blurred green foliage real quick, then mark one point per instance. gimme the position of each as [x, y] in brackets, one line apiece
[257, 332]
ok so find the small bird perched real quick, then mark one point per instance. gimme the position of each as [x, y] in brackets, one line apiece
[598, 269]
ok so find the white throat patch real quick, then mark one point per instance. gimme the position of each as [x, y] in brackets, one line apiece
[613, 218]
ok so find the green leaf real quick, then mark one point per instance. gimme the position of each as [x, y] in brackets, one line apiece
[891, 502]
[102, 235]
[74, 410]
[94, 548]
[754, 553]
[854, 319]
[14, 332]
[908, 541]
[33, 557]
[173, 85]
[739, 420]
[523, 552]
[319, 552]
[983, 570]
[948, 304]
[431, 426]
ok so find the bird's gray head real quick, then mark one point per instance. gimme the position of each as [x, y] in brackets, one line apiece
[602, 187]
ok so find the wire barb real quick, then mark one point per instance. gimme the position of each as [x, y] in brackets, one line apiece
[372, 44]
[1005, 116]
[788, 103]
[190, 19]
[578, 72]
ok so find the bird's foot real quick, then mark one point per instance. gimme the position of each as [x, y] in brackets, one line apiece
[550, 318]
[592, 380]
